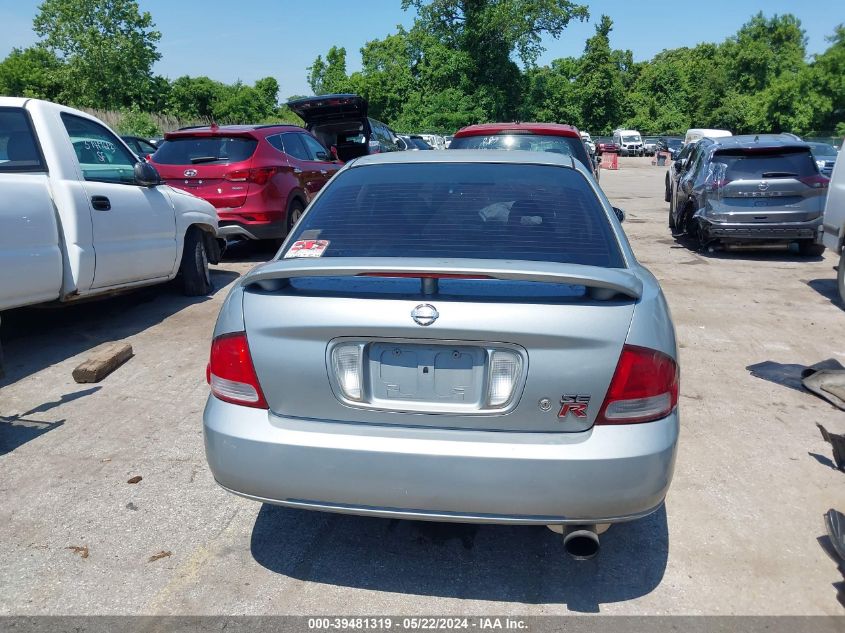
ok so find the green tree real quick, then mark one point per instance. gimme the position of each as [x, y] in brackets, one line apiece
[600, 82]
[552, 93]
[108, 46]
[329, 76]
[490, 33]
[31, 72]
[385, 79]
[268, 88]
[136, 123]
[763, 49]
[193, 97]
[828, 80]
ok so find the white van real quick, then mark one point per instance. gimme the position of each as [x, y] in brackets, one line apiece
[629, 142]
[696, 134]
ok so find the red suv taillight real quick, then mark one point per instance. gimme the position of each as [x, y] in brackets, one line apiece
[231, 373]
[644, 388]
[258, 175]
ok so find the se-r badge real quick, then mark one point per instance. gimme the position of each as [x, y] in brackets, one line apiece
[574, 404]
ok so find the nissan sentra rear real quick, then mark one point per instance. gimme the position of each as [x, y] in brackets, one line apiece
[461, 337]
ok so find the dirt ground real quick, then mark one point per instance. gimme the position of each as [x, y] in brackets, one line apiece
[738, 535]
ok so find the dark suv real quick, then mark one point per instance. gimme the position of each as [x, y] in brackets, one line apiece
[260, 178]
[753, 190]
[341, 121]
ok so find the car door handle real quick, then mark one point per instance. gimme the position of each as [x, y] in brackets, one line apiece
[297, 170]
[323, 171]
[101, 203]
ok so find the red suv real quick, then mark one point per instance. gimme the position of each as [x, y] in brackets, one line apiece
[537, 137]
[259, 177]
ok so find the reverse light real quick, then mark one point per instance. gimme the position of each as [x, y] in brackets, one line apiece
[231, 374]
[644, 388]
[347, 365]
[504, 373]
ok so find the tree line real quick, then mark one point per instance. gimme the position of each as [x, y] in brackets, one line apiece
[461, 62]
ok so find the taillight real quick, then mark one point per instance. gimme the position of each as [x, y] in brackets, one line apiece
[231, 373]
[261, 175]
[713, 185]
[816, 181]
[258, 175]
[644, 388]
[239, 175]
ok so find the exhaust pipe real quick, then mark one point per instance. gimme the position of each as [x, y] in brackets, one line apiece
[581, 542]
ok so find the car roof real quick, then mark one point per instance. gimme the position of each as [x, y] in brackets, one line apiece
[551, 129]
[223, 130]
[751, 141]
[468, 156]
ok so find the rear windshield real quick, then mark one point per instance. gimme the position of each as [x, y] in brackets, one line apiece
[784, 162]
[567, 145]
[195, 150]
[18, 149]
[459, 210]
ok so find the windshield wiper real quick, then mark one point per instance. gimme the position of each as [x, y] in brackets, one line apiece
[204, 159]
[778, 174]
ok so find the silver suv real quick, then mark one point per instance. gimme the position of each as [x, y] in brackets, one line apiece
[751, 189]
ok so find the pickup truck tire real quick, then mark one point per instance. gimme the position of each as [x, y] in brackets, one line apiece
[196, 278]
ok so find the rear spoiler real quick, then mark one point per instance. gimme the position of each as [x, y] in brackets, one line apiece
[603, 283]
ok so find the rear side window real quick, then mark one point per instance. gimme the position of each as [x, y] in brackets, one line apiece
[18, 147]
[786, 162]
[569, 146]
[209, 150]
[294, 146]
[459, 210]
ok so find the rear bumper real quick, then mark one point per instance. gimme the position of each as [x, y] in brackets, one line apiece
[762, 232]
[604, 475]
[252, 223]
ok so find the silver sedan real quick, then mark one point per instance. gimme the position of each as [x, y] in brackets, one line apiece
[450, 336]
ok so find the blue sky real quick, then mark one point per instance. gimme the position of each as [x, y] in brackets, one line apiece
[251, 39]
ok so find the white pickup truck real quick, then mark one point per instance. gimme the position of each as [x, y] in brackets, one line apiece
[81, 215]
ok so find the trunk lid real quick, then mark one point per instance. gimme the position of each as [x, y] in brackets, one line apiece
[326, 108]
[564, 333]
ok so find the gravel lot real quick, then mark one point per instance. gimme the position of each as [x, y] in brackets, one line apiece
[738, 534]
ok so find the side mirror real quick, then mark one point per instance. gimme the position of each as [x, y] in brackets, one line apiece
[620, 214]
[322, 156]
[146, 175]
[679, 164]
